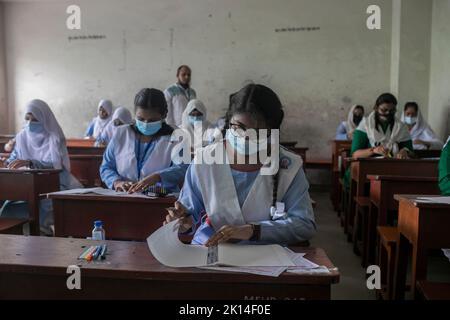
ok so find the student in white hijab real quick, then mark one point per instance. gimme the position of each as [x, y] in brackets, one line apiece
[121, 116]
[99, 123]
[195, 118]
[346, 128]
[422, 135]
[40, 145]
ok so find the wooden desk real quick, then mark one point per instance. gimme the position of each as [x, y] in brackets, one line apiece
[336, 147]
[86, 168]
[123, 218]
[301, 152]
[35, 268]
[27, 185]
[77, 142]
[382, 202]
[427, 153]
[86, 150]
[421, 226]
[360, 168]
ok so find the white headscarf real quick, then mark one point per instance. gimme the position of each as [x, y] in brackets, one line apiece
[100, 124]
[390, 139]
[121, 113]
[48, 146]
[350, 125]
[206, 125]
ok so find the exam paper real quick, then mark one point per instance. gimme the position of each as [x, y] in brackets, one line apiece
[261, 271]
[101, 191]
[167, 248]
[441, 200]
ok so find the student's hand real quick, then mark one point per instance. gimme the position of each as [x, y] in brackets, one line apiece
[10, 145]
[226, 233]
[122, 186]
[381, 151]
[179, 212]
[350, 135]
[144, 183]
[2, 162]
[17, 164]
[402, 154]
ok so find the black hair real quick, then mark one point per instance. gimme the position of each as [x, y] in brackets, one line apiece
[411, 105]
[258, 100]
[360, 107]
[153, 99]
[181, 67]
[388, 98]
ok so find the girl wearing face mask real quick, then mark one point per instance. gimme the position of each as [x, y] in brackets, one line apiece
[99, 123]
[422, 135]
[143, 148]
[40, 145]
[444, 170]
[381, 134]
[121, 116]
[233, 200]
[346, 128]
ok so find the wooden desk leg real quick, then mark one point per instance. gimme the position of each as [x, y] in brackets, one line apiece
[369, 236]
[401, 263]
[419, 265]
[33, 205]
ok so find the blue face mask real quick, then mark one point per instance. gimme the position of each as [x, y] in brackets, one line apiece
[35, 127]
[194, 119]
[148, 128]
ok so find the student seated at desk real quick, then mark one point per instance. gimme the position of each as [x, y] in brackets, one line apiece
[40, 145]
[143, 148]
[380, 134]
[346, 128]
[234, 201]
[422, 135]
[444, 170]
[99, 123]
[121, 116]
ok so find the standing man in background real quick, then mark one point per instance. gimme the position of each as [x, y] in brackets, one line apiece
[178, 96]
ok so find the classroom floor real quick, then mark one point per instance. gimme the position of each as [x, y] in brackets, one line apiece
[331, 238]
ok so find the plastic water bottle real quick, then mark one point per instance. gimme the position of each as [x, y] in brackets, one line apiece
[98, 233]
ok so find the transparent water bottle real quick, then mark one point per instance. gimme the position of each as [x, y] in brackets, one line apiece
[98, 233]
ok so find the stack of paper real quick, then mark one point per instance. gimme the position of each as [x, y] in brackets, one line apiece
[167, 248]
[101, 191]
[440, 200]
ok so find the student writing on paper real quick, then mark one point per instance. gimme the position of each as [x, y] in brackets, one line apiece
[346, 128]
[121, 116]
[422, 135]
[234, 200]
[178, 96]
[99, 123]
[444, 170]
[40, 145]
[381, 134]
[143, 148]
[9, 146]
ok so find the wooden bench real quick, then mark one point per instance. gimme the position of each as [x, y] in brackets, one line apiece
[386, 260]
[359, 232]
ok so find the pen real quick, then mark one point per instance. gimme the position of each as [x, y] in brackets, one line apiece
[96, 252]
[103, 252]
[85, 252]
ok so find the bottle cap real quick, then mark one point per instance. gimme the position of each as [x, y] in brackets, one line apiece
[98, 223]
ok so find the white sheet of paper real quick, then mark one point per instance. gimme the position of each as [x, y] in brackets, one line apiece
[261, 271]
[167, 248]
[441, 200]
[101, 191]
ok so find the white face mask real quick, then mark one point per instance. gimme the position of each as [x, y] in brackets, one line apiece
[411, 120]
[244, 146]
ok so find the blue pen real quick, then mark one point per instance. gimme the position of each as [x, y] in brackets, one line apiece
[96, 253]
[103, 253]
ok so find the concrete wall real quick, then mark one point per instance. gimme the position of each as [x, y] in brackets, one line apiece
[318, 74]
[3, 94]
[439, 112]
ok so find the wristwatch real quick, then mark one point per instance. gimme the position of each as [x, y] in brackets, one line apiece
[256, 236]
